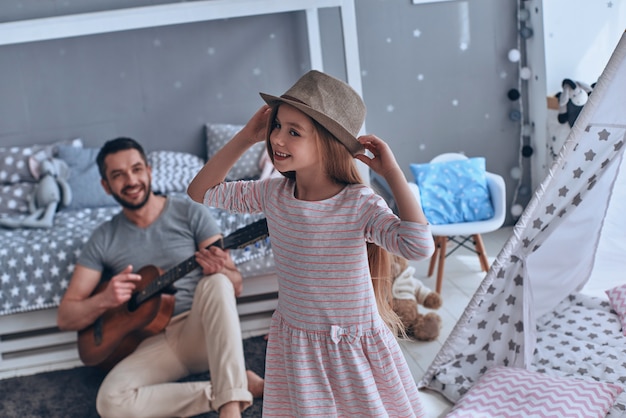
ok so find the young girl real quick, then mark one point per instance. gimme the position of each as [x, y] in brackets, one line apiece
[331, 351]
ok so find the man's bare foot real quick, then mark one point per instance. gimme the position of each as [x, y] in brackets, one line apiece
[255, 384]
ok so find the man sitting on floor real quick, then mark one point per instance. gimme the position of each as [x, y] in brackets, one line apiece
[204, 333]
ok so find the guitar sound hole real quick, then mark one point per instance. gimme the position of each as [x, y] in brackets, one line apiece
[132, 303]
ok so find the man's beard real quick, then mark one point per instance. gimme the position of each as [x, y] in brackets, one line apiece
[125, 204]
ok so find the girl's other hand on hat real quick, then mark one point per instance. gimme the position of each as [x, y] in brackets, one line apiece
[384, 163]
[256, 128]
[382, 160]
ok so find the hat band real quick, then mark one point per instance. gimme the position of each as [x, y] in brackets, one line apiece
[293, 99]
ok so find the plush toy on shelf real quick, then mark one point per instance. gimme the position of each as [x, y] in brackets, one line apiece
[571, 100]
[408, 293]
[51, 193]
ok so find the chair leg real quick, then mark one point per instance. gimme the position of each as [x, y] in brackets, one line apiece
[482, 254]
[433, 258]
[443, 242]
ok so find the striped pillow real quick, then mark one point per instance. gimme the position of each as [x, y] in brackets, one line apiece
[617, 298]
[172, 171]
[507, 392]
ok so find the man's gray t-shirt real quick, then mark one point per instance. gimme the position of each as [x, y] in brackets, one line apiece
[171, 239]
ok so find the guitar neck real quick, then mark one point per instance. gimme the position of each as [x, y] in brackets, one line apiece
[241, 238]
[165, 280]
[245, 236]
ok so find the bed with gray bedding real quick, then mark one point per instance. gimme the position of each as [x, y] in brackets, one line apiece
[36, 264]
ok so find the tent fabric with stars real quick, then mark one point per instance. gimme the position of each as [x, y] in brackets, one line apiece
[537, 307]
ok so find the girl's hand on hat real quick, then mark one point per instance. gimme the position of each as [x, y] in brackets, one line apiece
[383, 160]
[384, 163]
[256, 128]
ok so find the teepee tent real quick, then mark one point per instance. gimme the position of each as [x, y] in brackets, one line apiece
[572, 232]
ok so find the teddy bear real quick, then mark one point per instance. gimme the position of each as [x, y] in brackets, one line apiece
[572, 99]
[408, 293]
[51, 193]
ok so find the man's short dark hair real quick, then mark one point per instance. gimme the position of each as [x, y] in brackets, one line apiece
[115, 145]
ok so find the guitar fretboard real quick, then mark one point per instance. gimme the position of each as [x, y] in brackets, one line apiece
[167, 279]
[238, 239]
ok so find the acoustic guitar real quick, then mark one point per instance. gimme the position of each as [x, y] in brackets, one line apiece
[118, 332]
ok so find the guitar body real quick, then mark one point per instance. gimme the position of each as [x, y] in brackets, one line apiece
[118, 332]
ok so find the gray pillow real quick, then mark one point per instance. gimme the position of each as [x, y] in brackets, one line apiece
[247, 167]
[84, 181]
[14, 160]
[14, 198]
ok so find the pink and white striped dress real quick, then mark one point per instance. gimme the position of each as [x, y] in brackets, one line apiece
[329, 353]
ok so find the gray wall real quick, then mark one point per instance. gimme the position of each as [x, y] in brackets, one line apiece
[435, 77]
[158, 85]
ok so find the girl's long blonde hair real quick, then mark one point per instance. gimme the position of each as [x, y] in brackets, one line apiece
[343, 170]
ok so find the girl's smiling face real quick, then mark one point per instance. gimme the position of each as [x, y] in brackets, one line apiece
[294, 141]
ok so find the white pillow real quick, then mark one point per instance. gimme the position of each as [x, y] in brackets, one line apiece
[617, 298]
[506, 392]
[172, 171]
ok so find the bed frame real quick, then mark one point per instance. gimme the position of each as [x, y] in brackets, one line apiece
[30, 342]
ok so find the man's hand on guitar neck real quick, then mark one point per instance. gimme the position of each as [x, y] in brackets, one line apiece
[215, 260]
[121, 287]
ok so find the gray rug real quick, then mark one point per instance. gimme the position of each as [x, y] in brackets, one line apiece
[72, 393]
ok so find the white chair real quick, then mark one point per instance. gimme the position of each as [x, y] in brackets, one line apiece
[461, 234]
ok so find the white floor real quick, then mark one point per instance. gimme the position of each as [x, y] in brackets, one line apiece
[462, 277]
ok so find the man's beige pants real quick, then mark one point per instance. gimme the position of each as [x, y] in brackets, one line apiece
[208, 337]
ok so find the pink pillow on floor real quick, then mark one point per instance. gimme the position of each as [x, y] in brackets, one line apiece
[508, 392]
[617, 298]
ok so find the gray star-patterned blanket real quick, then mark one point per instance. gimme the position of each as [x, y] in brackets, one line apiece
[36, 264]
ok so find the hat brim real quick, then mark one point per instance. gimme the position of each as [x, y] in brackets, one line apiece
[345, 137]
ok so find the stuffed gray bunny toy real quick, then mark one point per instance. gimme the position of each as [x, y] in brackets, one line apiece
[51, 193]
